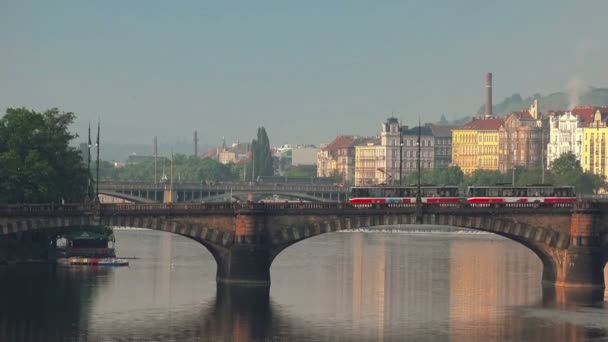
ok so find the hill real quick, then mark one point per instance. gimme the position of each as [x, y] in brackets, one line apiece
[555, 101]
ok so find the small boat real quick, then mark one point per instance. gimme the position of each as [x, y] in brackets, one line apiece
[113, 262]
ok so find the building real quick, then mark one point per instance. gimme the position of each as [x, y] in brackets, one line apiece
[595, 145]
[389, 140]
[304, 155]
[565, 136]
[410, 149]
[475, 144]
[520, 140]
[566, 132]
[442, 143]
[338, 158]
[370, 160]
[227, 157]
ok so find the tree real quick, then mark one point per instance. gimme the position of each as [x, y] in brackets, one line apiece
[38, 163]
[568, 171]
[261, 156]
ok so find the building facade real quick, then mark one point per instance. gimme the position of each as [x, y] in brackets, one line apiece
[565, 135]
[338, 158]
[595, 145]
[475, 144]
[520, 141]
[370, 160]
[410, 150]
[442, 143]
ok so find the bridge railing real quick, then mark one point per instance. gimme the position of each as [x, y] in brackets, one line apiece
[109, 209]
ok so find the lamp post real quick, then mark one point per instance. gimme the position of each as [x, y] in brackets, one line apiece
[400, 155]
[418, 194]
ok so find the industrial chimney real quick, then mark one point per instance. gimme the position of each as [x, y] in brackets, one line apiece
[489, 94]
[195, 143]
[155, 147]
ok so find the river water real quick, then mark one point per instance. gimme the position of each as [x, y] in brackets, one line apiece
[348, 286]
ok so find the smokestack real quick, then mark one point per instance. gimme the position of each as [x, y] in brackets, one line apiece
[489, 93]
[155, 147]
[195, 143]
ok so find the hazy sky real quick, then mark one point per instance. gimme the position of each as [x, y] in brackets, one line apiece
[306, 70]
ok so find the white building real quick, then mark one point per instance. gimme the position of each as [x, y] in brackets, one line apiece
[565, 135]
[304, 156]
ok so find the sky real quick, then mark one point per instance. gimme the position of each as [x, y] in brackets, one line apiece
[305, 70]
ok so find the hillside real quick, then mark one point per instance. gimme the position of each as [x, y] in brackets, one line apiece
[555, 101]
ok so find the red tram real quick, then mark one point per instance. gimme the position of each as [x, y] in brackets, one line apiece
[403, 194]
[521, 194]
[475, 195]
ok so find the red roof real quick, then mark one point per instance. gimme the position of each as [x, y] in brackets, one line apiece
[585, 113]
[211, 153]
[341, 142]
[524, 115]
[485, 124]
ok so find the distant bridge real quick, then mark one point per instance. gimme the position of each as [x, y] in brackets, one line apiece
[147, 192]
[571, 241]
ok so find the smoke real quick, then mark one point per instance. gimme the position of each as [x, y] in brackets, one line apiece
[576, 88]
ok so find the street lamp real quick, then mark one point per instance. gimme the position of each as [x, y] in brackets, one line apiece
[400, 155]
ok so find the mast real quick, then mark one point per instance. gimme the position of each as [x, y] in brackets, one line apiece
[418, 194]
[89, 165]
[97, 178]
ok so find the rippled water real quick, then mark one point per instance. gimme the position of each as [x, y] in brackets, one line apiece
[355, 286]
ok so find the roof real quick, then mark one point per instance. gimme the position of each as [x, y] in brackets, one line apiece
[341, 142]
[368, 142]
[587, 113]
[484, 124]
[211, 153]
[442, 131]
[424, 130]
[524, 115]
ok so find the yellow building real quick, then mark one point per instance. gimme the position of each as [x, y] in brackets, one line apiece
[595, 146]
[475, 145]
[370, 163]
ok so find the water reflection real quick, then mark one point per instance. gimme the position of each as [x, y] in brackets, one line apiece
[47, 303]
[345, 286]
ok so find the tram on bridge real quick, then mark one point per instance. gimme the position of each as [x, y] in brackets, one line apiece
[475, 195]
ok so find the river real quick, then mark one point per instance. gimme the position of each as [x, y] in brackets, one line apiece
[347, 286]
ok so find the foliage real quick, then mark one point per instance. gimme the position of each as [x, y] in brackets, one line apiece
[185, 169]
[38, 164]
[261, 160]
[592, 97]
[567, 170]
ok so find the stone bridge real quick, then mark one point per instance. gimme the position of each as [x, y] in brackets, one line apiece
[571, 241]
[145, 192]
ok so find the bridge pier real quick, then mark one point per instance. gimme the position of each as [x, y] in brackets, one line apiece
[582, 264]
[247, 261]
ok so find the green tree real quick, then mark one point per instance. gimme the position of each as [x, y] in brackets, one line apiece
[261, 159]
[568, 171]
[38, 163]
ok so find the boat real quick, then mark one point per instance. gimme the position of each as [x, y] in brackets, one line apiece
[113, 262]
[93, 261]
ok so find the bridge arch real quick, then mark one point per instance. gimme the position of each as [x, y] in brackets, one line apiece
[543, 242]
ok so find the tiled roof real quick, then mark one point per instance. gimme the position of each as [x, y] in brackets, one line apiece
[586, 114]
[210, 153]
[442, 131]
[485, 124]
[524, 115]
[341, 142]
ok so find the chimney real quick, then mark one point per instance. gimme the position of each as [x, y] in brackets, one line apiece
[195, 143]
[155, 147]
[489, 94]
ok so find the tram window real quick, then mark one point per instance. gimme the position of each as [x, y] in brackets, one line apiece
[390, 192]
[361, 192]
